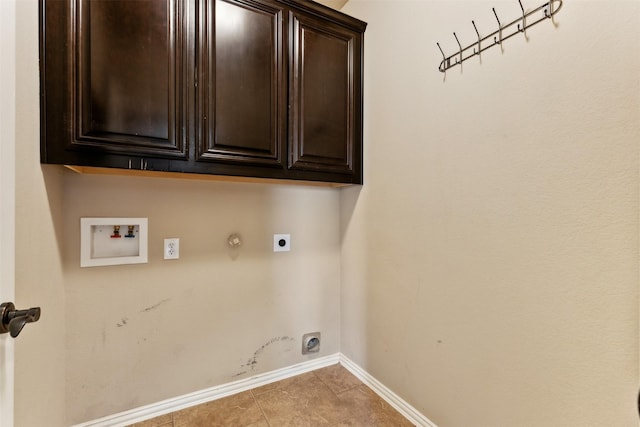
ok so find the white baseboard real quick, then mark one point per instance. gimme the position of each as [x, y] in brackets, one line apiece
[196, 398]
[192, 399]
[409, 412]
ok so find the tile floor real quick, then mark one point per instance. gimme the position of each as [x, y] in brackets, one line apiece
[330, 396]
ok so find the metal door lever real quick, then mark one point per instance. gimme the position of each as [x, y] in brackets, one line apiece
[12, 320]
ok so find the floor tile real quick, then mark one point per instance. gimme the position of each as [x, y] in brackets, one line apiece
[239, 410]
[302, 378]
[330, 396]
[369, 409]
[337, 378]
[161, 421]
[303, 403]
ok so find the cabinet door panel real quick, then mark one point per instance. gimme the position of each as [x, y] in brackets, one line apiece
[243, 83]
[113, 80]
[322, 96]
[129, 76]
[117, 98]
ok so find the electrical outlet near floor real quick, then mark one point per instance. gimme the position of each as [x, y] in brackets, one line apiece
[311, 343]
[172, 248]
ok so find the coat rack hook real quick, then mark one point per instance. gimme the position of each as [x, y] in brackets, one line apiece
[442, 52]
[454, 35]
[445, 63]
[479, 48]
[524, 19]
[498, 41]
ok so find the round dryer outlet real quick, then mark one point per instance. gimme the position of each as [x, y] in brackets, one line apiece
[311, 343]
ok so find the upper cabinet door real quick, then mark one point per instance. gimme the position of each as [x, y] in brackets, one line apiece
[116, 78]
[325, 97]
[242, 83]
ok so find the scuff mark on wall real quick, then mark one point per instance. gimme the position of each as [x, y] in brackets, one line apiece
[253, 361]
[156, 305]
[123, 322]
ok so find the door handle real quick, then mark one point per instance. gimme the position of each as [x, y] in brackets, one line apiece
[12, 320]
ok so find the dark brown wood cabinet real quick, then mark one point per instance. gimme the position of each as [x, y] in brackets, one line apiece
[324, 108]
[114, 82]
[245, 88]
[243, 83]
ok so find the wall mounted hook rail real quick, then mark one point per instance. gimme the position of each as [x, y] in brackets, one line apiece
[504, 32]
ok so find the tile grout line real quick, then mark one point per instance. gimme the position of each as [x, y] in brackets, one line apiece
[314, 372]
[255, 399]
[336, 394]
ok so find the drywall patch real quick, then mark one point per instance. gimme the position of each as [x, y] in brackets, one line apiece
[253, 361]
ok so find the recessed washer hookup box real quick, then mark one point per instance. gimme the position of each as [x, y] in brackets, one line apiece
[113, 241]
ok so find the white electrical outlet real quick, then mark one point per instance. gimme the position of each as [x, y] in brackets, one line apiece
[172, 248]
[281, 242]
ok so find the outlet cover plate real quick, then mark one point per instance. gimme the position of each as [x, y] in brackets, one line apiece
[281, 242]
[172, 248]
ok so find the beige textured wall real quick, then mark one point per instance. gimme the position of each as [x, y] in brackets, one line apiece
[40, 348]
[490, 262]
[139, 334]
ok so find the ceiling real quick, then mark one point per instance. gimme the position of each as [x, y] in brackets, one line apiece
[334, 4]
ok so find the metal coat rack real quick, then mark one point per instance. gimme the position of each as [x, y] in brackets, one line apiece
[503, 33]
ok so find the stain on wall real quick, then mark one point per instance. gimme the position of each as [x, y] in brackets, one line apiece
[154, 306]
[253, 360]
